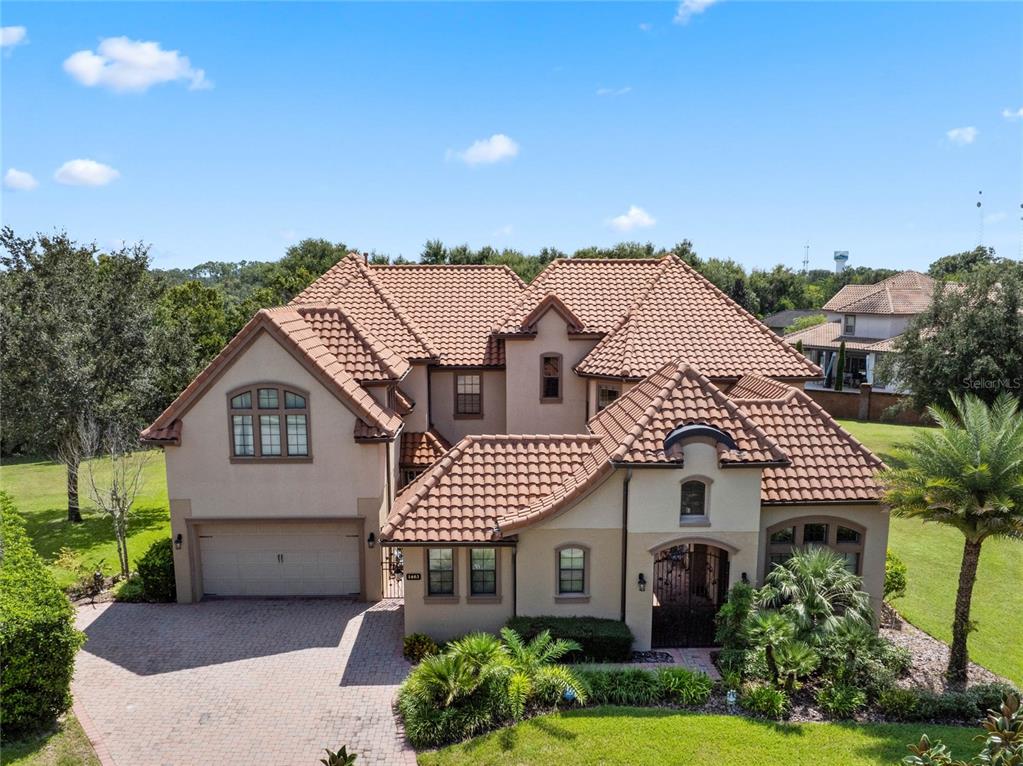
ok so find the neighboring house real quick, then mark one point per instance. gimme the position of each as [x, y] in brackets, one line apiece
[318, 443]
[783, 319]
[868, 318]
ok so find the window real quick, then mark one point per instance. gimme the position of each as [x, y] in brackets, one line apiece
[550, 378]
[606, 394]
[849, 324]
[843, 537]
[483, 571]
[469, 396]
[269, 422]
[571, 571]
[409, 475]
[694, 499]
[440, 572]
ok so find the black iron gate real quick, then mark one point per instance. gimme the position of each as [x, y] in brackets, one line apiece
[392, 574]
[690, 584]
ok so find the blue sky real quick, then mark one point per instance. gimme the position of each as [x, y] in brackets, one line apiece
[751, 128]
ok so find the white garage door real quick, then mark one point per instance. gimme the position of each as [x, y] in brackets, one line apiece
[296, 559]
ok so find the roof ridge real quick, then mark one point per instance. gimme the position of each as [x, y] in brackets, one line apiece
[395, 307]
[421, 485]
[496, 266]
[367, 338]
[572, 259]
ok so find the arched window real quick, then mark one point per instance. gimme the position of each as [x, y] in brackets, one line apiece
[269, 422]
[694, 501]
[844, 537]
[573, 566]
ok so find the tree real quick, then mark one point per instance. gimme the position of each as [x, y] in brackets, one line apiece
[804, 323]
[968, 475]
[193, 327]
[114, 488]
[957, 265]
[301, 265]
[970, 340]
[840, 368]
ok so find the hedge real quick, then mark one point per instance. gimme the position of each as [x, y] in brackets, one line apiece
[156, 571]
[601, 640]
[38, 639]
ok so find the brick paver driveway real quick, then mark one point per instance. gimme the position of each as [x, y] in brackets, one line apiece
[242, 682]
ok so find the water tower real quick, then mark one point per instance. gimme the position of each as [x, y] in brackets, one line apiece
[841, 256]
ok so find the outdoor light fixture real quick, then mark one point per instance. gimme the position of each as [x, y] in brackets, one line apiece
[745, 579]
[371, 540]
[177, 542]
[642, 581]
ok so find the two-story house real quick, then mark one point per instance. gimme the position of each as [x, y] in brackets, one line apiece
[617, 439]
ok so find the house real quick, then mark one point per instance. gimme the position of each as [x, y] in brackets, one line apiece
[617, 438]
[784, 319]
[868, 319]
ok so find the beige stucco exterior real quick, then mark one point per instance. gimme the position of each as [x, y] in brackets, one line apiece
[527, 413]
[442, 404]
[416, 385]
[344, 478]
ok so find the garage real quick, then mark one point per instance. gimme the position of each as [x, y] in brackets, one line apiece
[299, 558]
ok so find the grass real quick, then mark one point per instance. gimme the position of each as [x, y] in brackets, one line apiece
[67, 745]
[38, 490]
[654, 736]
[933, 552]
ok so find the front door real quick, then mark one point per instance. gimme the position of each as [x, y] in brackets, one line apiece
[690, 584]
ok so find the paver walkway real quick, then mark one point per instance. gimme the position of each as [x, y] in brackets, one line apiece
[242, 682]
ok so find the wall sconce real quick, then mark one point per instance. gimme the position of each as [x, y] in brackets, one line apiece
[177, 542]
[371, 540]
[642, 582]
[745, 579]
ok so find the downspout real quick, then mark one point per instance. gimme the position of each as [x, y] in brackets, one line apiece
[625, 532]
[515, 582]
[387, 458]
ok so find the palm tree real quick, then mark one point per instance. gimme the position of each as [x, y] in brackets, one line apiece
[534, 672]
[769, 630]
[968, 475]
[817, 592]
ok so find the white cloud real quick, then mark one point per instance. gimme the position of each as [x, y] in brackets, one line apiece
[1013, 114]
[962, 136]
[20, 180]
[635, 218]
[487, 151]
[133, 65]
[85, 173]
[646, 26]
[614, 91]
[504, 231]
[689, 8]
[996, 217]
[11, 36]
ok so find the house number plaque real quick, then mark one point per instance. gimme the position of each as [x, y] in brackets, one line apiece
[413, 576]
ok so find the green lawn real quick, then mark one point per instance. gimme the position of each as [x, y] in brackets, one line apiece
[932, 553]
[67, 746]
[639, 736]
[37, 487]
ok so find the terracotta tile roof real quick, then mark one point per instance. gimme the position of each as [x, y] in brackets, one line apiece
[358, 350]
[350, 285]
[167, 435]
[827, 463]
[683, 315]
[421, 448]
[829, 335]
[403, 403]
[908, 292]
[293, 332]
[461, 497]
[455, 306]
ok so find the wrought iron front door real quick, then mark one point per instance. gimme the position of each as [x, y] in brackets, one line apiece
[690, 584]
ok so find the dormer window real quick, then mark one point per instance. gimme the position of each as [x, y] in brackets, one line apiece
[269, 422]
[550, 378]
[849, 324]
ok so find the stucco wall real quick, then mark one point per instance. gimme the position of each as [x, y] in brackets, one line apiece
[442, 405]
[874, 325]
[445, 618]
[526, 413]
[415, 385]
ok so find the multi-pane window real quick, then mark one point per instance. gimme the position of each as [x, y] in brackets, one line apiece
[550, 378]
[440, 572]
[269, 422]
[606, 394]
[844, 539]
[571, 570]
[469, 395]
[849, 325]
[409, 475]
[483, 571]
[694, 499]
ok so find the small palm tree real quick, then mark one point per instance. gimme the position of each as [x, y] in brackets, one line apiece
[817, 592]
[796, 659]
[968, 475]
[534, 672]
[768, 630]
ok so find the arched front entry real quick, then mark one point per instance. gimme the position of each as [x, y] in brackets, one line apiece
[690, 584]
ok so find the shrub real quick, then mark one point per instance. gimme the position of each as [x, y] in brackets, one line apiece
[898, 704]
[628, 686]
[600, 640]
[156, 571]
[38, 640]
[340, 758]
[950, 706]
[765, 700]
[894, 577]
[733, 615]
[130, 590]
[750, 664]
[795, 660]
[1003, 741]
[839, 700]
[855, 655]
[987, 697]
[689, 688]
[417, 646]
